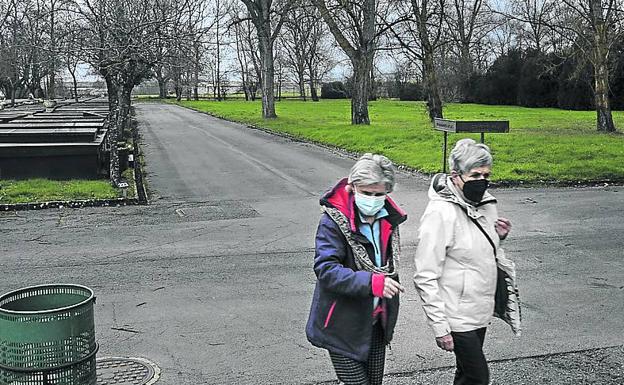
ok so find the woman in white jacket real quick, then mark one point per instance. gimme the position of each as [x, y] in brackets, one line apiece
[455, 262]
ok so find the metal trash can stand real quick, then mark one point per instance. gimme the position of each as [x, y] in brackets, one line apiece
[47, 336]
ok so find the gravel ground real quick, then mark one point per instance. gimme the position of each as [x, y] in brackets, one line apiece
[596, 366]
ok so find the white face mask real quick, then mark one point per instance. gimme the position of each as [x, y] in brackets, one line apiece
[369, 205]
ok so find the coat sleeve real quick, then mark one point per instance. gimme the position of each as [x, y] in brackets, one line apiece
[434, 238]
[329, 263]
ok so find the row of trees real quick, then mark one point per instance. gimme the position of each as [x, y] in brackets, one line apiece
[453, 42]
[34, 43]
[445, 45]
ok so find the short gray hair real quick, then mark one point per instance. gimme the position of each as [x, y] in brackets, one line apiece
[372, 169]
[468, 154]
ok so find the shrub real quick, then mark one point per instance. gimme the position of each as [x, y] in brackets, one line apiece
[411, 91]
[334, 90]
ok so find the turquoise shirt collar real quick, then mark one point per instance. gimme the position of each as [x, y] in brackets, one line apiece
[380, 214]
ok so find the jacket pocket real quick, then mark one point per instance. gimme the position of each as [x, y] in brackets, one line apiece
[329, 314]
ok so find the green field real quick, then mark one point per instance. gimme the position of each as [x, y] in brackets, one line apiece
[44, 190]
[543, 145]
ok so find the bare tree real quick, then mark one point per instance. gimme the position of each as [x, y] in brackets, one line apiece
[321, 59]
[353, 24]
[6, 7]
[53, 7]
[527, 20]
[179, 45]
[246, 48]
[34, 68]
[70, 47]
[15, 45]
[506, 37]
[420, 34]
[594, 27]
[28, 41]
[122, 49]
[296, 41]
[469, 22]
[163, 45]
[267, 16]
[307, 52]
[218, 16]
[534, 14]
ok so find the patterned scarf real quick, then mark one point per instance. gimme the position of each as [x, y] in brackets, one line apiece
[362, 260]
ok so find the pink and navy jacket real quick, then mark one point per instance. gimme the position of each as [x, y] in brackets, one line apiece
[341, 315]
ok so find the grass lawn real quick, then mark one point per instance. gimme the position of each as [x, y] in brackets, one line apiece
[543, 145]
[43, 190]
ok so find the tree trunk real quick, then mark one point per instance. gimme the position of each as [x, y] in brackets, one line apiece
[434, 102]
[466, 71]
[313, 93]
[373, 89]
[361, 86]
[196, 73]
[162, 89]
[13, 90]
[52, 87]
[178, 90]
[218, 79]
[604, 118]
[268, 77]
[73, 74]
[117, 129]
[302, 92]
[114, 130]
[600, 54]
[162, 86]
[125, 102]
[111, 90]
[245, 86]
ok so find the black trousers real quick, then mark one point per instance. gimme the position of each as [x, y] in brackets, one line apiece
[352, 372]
[472, 367]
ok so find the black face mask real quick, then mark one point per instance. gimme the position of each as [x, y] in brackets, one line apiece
[474, 189]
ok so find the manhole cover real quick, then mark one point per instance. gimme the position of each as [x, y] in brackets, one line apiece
[126, 371]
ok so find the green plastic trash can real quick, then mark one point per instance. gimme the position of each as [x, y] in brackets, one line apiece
[47, 336]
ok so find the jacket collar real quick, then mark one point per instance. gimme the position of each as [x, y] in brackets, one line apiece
[442, 188]
[338, 197]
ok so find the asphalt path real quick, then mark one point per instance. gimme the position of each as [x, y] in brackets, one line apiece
[213, 280]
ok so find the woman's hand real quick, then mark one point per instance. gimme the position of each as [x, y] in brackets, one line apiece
[446, 343]
[503, 227]
[391, 288]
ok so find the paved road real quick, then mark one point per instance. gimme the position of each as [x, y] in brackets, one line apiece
[213, 280]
